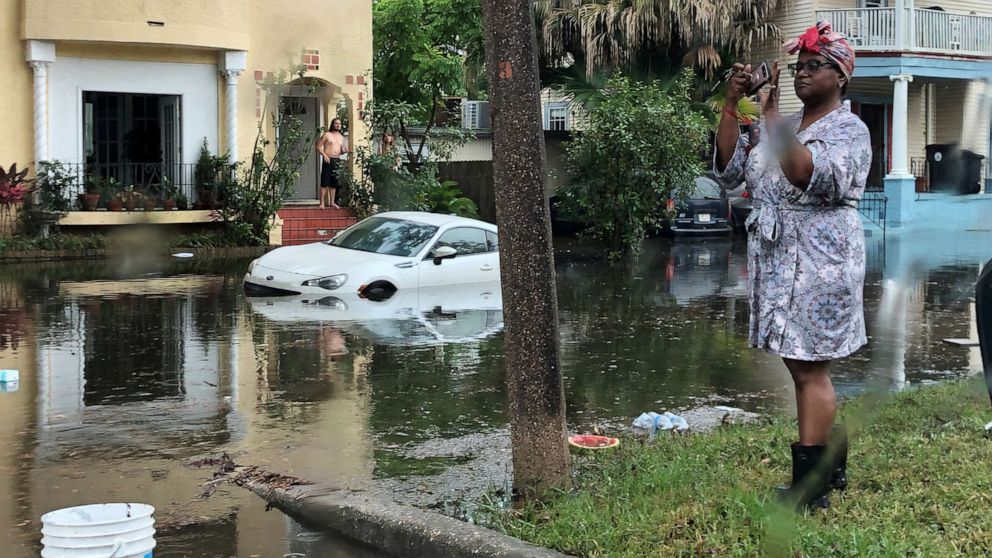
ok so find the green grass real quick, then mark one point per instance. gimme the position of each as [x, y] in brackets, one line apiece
[921, 485]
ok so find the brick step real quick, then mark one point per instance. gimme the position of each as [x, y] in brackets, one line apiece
[314, 213]
[308, 223]
[310, 235]
[298, 241]
[347, 221]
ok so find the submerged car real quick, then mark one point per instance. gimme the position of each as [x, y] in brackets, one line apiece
[380, 255]
[707, 211]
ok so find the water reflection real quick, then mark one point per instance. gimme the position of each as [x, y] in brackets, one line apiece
[454, 314]
[126, 375]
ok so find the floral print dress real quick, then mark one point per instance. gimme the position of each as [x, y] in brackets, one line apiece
[806, 249]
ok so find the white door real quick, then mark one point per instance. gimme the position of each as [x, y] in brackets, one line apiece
[171, 119]
[476, 261]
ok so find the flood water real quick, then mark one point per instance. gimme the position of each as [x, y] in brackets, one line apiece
[131, 369]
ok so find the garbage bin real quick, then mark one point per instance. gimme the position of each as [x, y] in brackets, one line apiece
[943, 163]
[972, 179]
[954, 170]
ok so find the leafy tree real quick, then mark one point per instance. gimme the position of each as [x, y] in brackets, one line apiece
[642, 147]
[386, 184]
[425, 50]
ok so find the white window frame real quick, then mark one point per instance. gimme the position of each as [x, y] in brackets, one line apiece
[548, 108]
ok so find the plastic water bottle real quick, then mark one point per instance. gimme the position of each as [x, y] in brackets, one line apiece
[678, 423]
[663, 422]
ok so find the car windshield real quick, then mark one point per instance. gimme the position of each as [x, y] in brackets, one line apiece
[706, 189]
[386, 236]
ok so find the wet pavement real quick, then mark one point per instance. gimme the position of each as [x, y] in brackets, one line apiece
[129, 370]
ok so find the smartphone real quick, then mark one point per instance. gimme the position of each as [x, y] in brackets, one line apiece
[759, 78]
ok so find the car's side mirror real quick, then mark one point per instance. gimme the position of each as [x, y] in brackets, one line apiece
[443, 253]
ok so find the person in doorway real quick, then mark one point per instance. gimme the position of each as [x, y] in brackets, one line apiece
[330, 146]
[806, 254]
[387, 146]
[388, 143]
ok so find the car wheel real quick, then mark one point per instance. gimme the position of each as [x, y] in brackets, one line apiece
[378, 291]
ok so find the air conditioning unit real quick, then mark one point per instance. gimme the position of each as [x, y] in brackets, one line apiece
[476, 115]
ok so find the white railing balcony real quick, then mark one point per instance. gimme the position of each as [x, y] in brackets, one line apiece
[932, 31]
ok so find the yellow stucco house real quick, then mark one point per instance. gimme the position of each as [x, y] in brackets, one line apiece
[132, 89]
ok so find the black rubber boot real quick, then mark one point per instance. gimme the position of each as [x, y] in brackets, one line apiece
[838, 473]
[838, 476]
[810, 479]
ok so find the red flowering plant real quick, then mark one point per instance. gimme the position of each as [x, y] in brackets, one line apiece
[14, 187]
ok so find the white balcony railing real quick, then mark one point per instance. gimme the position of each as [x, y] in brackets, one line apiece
[875, 29]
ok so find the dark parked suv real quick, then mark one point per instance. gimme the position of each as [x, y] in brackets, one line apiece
[707, 211]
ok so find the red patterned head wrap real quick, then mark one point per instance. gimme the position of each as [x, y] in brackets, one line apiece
[822, 39]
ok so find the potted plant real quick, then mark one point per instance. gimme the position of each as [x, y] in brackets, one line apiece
[169, 192]
[92, 196]
[149, 201]
[207, 197]
[182, 203]
[55, 181]
[130, 197]
[110, 191]
[114, 202]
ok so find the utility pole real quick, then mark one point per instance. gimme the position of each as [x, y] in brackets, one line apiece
[533, 377]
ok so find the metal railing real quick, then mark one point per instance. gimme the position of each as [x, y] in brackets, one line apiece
[938, 31]
[926, 30]
[872, 206]
[866, 28]
[198, 185]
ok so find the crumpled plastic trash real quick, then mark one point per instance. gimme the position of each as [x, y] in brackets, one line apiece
[653, 422]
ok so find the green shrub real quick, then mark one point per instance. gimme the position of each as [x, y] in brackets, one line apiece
[643, 146]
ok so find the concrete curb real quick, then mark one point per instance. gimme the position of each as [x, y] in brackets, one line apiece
[397, 530]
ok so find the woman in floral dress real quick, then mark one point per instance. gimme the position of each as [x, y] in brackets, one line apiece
[806, 255]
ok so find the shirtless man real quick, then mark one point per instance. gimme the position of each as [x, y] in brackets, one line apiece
[331, 147]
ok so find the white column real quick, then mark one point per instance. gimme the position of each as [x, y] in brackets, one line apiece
[232, 63]
[231, 116]
[910, 24]
[40, 111]
[900, 126]
[39, 55]
[900, 30]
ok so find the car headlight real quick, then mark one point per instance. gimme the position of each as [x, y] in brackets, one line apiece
[330, 283]
[251, 266]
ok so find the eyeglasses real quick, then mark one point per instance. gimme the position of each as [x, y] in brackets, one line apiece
[810, 66]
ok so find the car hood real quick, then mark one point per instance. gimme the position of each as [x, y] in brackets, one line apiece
[318, 259]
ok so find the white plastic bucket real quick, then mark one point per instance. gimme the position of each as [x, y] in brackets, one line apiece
[99, 531]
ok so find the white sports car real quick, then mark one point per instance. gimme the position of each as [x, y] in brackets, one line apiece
[380, 255]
